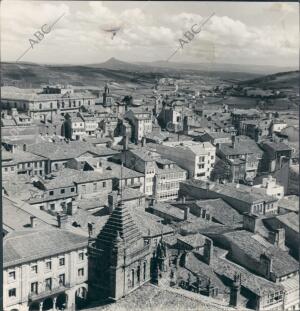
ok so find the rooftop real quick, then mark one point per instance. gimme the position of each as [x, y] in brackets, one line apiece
[194, 240]
[25, 246]
[70, 150]
[236, 191]
[243, 145]
[152, 298]
[283, 263]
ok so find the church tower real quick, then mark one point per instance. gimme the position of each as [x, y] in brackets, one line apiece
[105, 94]
[119, 259]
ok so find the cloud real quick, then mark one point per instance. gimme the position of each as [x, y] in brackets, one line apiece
[80, 35]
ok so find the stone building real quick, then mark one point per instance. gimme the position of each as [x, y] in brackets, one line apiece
[119, 258]
[44, 269]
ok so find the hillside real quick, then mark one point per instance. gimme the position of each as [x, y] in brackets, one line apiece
[32, 75]
[282, 80]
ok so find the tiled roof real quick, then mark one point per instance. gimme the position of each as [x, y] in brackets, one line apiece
[142, 153]
[252, 282]
[231, 191]
[149, 297]
[283, 263]
[289, 204]
[64, 150]
[221, 211]
[17, 218]
[26, 246]
[149, 224]
[68, 177]
[194, 240]
[291, 220]
[242, 146]
[168, 209]
[275, 146]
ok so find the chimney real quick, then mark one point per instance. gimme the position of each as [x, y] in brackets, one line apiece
[125, 143]
[235, 290]
[62, 221]
[250, 222]
[277, 238]
[24, 147]
[72, 208]
[186, 213]
[266, 265]
[112, 201]
[33, 221]
[143, 141]
[208, 251]
[233, 141]
[90, 228]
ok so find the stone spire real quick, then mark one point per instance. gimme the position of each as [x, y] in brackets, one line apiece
[119, 225]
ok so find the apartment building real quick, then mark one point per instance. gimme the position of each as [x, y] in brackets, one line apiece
[80, 125]
[141, 122]
[44, 269]
[195, 157]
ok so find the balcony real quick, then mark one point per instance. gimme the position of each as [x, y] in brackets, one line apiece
[46, 292]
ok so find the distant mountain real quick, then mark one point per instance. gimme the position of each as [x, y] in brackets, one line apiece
[281, 80]
[252, 69]
[116, 64]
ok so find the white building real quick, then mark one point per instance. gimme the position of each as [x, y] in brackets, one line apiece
[44, 270]
[278, 126]
[271, 188]
[197, 158]
[141, 122]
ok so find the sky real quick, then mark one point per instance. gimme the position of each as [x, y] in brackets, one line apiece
[238, 33]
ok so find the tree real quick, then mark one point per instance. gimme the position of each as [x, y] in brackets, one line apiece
[221, 171]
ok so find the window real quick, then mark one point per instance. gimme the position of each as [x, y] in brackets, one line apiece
[12, 276]
[51, 192]
[62, 261]
[6, 169]
[61, 278]
[12, 168]
[34, 268]
[83, 188]
[145, 271]
[48, 265]
[104, 184]
[81, 272]
[12, 292]
[62, 191]
[81, 256]
[52, 206]
[95, 186]
[201, 159]
[72, 189]
[48, 283]
[34, 287]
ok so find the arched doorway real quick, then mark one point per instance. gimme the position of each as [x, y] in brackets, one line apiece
[48, 304]
[80, 298]
[34, 306]
[61, 301]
